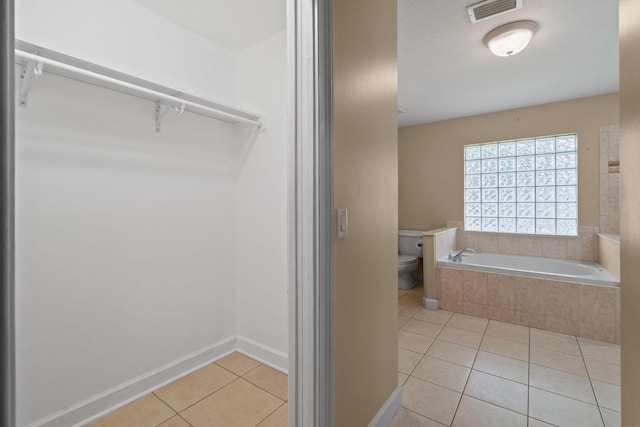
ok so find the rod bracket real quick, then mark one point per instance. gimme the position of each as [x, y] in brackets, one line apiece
[161, 111]
[29, 72]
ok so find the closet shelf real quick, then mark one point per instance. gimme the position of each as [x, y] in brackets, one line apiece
[33, 64]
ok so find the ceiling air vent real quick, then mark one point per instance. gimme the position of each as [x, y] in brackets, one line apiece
[490, 8]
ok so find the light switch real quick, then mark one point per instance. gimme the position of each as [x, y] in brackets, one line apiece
[341, 214]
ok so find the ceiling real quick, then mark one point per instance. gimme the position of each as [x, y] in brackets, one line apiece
[445, 71]
[234, 24]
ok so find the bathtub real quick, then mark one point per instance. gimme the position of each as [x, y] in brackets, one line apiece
[545, 268]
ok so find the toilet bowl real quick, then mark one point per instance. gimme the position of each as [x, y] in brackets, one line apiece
[410, 249]
[406, 265]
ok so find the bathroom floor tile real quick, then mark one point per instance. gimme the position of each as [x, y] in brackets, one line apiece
[238, 363]
[560, 382]
[442, 373]
[430, 400]
[474, 413]
[607, 395]
[501, 366]
[603, 371]
[558, 360]
[405, 418]
[562, 411]
[402, 292]
[176, 421]
[407, 360]
[498, 391]
[440, 317]
[280, 418]
[187, 390]
[407, 310]
[468, 323]
[611, 418]
[537, 423]
[402, 378]
[423, 328]
[460, 336]
[414, 342]
[504, 347]
[555, 341]
[508, 331]
[237, 404]
[146, 411]
[597, 350]
[454, 353]
[270, 380]
[413, 299]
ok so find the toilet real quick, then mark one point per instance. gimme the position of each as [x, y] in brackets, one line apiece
[409, 250]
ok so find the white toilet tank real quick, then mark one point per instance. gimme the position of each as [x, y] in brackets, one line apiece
[410, 242]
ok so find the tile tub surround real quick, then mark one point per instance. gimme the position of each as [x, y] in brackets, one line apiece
[609, 252]
[584, 247]
[437, 244]
[588, 311]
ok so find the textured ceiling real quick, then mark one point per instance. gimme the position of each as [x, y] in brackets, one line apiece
[445, 71]
[234, 24]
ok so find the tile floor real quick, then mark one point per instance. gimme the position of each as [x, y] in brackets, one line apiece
[234, 391]
[460, 371]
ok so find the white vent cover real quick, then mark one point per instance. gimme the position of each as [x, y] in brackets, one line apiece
[490, 8]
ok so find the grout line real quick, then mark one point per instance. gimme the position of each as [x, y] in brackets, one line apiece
[595, 396]
[271, 413]
[529, 379]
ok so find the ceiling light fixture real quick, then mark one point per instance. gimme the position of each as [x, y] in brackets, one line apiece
[511, 38]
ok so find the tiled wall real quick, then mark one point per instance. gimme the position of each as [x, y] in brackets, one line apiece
[584, 247]
[588, 311]
[610, 179]
[609, 253]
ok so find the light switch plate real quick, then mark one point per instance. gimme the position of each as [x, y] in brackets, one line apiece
[342, 224]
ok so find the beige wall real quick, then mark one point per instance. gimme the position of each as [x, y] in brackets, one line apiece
[630, 208]
[430, 156]
[365, 174]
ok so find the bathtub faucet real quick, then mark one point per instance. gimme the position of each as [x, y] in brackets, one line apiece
[456, 256]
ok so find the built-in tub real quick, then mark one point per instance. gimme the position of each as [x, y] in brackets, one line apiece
[545, 268]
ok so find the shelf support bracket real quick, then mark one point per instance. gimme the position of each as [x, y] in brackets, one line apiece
[28, 73]
[161, 111]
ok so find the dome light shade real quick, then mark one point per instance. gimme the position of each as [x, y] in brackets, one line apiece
[511, 38]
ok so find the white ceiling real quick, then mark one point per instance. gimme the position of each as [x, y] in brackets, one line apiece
[445, 71]
[234, 24]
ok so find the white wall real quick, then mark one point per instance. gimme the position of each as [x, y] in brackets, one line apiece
[261, 197]
[130, 244]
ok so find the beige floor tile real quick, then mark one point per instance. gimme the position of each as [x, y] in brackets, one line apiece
[608, 395]
[452, 352]
[443, 373]
[508, 331]
[414, 342]
[176, 421]
[237, 404]
[504, 347]
[468, 323]
[407, 310]
[423, 328]
[413, 299]
[498, 391]
[563, 411]
[505, 367]
[560, 382]
[460, 336]
[555, 341]
[558, 360]
[476, 413]
[611, 418]
[407, 360]
[238, 363]
[146, 411]
[537, 423]
[402, 292]
[402, 378]
[440, 317]
[270, 380]
[603, 371]
[430, 400]
[186, 391]
[405, 418]
[280, 418]
[597, 350]
[401, 321]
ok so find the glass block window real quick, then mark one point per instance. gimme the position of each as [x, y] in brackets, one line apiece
[527, 186]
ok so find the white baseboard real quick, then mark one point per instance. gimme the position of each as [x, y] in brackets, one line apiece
[105, 402]
[429, 304]
[267, 355]
[388, 410]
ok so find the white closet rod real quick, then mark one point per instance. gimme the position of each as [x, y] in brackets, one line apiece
[178, 102]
